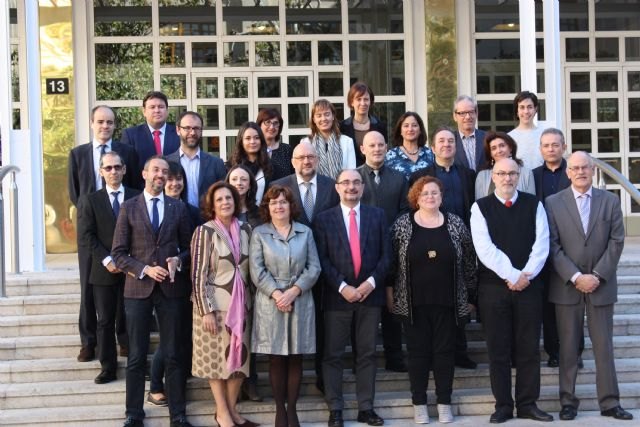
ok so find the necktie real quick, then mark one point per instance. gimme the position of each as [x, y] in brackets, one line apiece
[354, 242]
[116, 203]
[103, 149]
[508, 203]
[155, 216]
[307, 203]
[376, 176]
[584, 208]
[469, 149]
[156, 141]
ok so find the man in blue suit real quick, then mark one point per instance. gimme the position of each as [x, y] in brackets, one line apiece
[201, 169]
[155, 136]
[355, 253]
[469, 140]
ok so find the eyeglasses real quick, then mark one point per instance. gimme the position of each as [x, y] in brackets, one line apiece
[271, 123]
[506, 174]
[307, 157]
[188, 129]
[347, 183]
[278, 203]
[470, 113]
[109, 168]
[579, 168]
[430, 193]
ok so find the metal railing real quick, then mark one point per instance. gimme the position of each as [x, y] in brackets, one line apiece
[13, 226]
[611, 172]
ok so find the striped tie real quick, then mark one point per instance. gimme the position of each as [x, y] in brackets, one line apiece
[584, 207]
[307, 203]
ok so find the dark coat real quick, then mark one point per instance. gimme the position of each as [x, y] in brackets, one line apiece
[140, 138]
[461, 157]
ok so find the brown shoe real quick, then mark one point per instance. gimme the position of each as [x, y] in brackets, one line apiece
[87, 354]
[124, 351]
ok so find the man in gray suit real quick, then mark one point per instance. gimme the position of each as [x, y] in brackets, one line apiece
[469, 140]
[586, 239]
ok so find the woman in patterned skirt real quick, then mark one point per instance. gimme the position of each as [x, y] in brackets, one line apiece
[222, 301]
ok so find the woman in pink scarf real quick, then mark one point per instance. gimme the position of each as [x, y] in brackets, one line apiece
[222, 301]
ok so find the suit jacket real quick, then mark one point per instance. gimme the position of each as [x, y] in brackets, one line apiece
[390, 194]
[461, 157]
[326, 196]
[140, 138]
[212, 170]
[81, 176]
[135, 245]
[334, 251]
[96, 224]
[563, 181]
[574, 251]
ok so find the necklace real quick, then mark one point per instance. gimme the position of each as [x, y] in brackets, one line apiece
[409, 152]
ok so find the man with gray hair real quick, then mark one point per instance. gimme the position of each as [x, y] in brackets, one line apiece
[469, 140]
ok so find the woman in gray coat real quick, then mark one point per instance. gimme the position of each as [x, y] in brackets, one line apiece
[284, 267]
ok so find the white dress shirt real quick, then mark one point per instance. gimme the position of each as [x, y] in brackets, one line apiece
[191, 166]
[110, 190]
[346, 219]
[160, 197]
[577, 194]
[303, 190]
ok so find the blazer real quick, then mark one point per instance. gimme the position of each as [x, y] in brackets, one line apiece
[526, 183]
[81, 175]
[140, 138]
[96, 224]
[461, 157]
[332, 242]
[346, 128]
[326, 196]
[212, 170]
[135, 245]
[574, 251]
[563, 182]
[390, 194]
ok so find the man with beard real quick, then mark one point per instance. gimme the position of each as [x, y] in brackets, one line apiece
[201, 169]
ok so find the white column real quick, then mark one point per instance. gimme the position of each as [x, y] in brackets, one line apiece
[466, 70]
[6, 116]
[554, 92]
[527, 12]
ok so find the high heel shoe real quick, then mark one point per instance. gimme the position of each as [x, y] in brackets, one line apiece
[215, 417]
[248, 423]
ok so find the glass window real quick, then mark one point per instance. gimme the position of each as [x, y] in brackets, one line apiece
[248, 17]
[204, 54]
[118, 18]
[330, 52]
[297, 86]
[236, 54]
[206, 87]
[174, 85]
[580, 111]
[380, 64]
[375, 16]
[617, 15]
[577, 50]
[236, 87]
[498, 66]
[298, 53]
[634, 139]
[16, 120]
[581, 140]
[579, 82]
[389, 113]
[607, 81]
[633, 79]
[267, 53]
[236, 115]
[211, 144]
[634, 109]
[607, 109]
[15, 73]
[313, 17]
[210, 114]
[269, 87]
[193, 18]
[126, 117]
[172, 55]
[607, 49]
[496, 115]
[608, 140]
[13, 19]
[632, 48]
[502, 15]
[574, 15]
[123, 70]
[617, 165]
[298, 116]
[330, 84]
[634, 169]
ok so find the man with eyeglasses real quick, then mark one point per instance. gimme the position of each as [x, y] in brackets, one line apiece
[201, 169]
[469, 140]
[587, 238]
[97, 215]
[84, 178]
[511, 236]
[355, 253]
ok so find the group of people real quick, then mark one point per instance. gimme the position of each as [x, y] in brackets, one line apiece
[302, 251]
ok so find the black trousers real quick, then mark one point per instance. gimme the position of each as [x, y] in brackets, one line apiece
[512, 323]
[87, 320]
[431, 341]
[109, 303]
[316, 291]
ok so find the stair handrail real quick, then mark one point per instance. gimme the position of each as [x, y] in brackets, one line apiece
[611, 172]
[10, 170]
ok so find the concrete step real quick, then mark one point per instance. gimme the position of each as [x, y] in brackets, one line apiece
[389, 405]
[44, 283]
[38, 325]
[40, 304]
[629, 284]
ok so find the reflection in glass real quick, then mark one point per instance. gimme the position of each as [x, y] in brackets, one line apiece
[298, 53]
[330, 52]
[267, 53]
[380, 64]
[375, 16]
[268, 87]
[580, 111]
[118, 18]
[581, 140]
[123, 70]
[634, 170]
[297, 86]
[607, 81]
[295, 139]
[172, 55]
[192, 18]
[632, 48]
[330, 84]
[502, 15]
[174, 85]
[617, 165]
[577, 49]
[174, 112]
[574, 15]
[236, 87]
[505, 84]
[579, 82]
[298, 116]
[607, 49]
[211, 145]
[607, 109]
[634, 139]
[236, 115]
[236, 54]
[13, 19]
[313, 17]
[241, 17]
[204, 54]
[230, 143]
[210, 114]
[15, 73]
[633, 80]
[634, 109]
[126, 117]
[16, 119]
[274, 106]
[617, 15]
[206, 87]
[608, 140]
[389, 113]
[540, 81]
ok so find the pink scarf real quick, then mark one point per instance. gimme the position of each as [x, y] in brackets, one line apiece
[235, 314]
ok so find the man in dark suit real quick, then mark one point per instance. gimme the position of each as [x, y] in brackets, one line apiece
[155, 136]
[315, 193]
[201, 169]
[469, 140]
[84, 178]
[549, 178]
[150, 243]
[587, 237]
[387, 189]
[97, 214]
[355, 253]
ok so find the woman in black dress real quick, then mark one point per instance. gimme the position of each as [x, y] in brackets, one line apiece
[271, 123]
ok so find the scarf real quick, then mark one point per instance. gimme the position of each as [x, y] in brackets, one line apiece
[235, 314]
[329, 155]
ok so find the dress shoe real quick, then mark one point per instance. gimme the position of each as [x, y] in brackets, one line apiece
[568, 413]
[500, 416]
[335, 419]
[466, 363]
[250, 392]
[87, 354]
[618, 413]
[180, 421]
[157, 402]
[553, 362]
[370, 417]
[396, 366]
[131, 422]
[420, 414]
[124, 351]
[105, 377]
[248, 423]
[534, 413]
